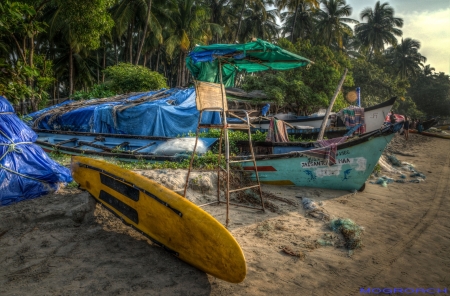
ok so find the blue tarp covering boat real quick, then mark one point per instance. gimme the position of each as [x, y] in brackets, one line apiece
[25, 169]
[163, 113]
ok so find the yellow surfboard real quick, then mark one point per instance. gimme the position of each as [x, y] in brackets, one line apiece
[165, 217]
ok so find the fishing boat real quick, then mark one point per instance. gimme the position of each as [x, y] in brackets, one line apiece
[122, 147]
[373, 117]
[291, 163]
[435, 135]
[429, 123]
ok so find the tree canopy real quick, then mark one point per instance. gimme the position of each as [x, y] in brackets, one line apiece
[57, 48]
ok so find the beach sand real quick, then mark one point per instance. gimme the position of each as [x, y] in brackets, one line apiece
[66, 244]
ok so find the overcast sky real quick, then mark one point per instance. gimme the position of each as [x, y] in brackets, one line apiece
[425, 20]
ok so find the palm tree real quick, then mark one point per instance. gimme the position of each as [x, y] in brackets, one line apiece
[298, 11]
[380, 28]
[428, 70]
[259, 23]
[243, 5]
[221, 13]
[189, 27]
[332, 22]
[405, 59]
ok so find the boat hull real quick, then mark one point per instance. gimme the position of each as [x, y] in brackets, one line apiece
[121, 147]
[373, 116]
[353, 167]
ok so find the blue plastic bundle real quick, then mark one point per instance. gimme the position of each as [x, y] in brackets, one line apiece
[25, 169]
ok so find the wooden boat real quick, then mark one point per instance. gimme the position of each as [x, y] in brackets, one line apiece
[373, 116]
[429, 123]
[286, 163]
[123, 147]
[165, 217]
[428, 134]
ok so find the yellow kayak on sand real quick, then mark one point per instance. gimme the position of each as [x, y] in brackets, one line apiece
[165, 217]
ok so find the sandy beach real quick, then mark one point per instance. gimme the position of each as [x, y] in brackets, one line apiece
[66, 244]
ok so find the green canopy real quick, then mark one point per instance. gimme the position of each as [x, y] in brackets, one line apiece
[203, 61]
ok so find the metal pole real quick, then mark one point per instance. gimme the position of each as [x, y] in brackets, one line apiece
[327, 114]
[358, 95]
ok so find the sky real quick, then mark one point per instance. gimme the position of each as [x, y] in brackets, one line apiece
[427, 21]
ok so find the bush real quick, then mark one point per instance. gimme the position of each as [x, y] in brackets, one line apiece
[98, 91]
[125, 78]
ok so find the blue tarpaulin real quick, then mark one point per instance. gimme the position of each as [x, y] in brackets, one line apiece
[25, 169]
[174, 115]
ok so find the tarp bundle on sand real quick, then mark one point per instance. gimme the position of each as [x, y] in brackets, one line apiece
[25, 169]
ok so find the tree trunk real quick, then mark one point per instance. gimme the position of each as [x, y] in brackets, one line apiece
[157, 60]
[98, 68]
[239, 22]
[150, 56]
[147, 20]
[295, 21]
[116, 54]
[179, 78]
[32, 82]
[129, 46]
[104, 62]
[70, 71]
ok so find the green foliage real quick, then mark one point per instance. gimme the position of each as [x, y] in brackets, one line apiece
[87, 21]
[14, 84]
[98, 91]
[377, 84]
[125, 78]
[309, 88]
[431, 93]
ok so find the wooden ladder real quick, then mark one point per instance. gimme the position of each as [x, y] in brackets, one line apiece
[223, 173]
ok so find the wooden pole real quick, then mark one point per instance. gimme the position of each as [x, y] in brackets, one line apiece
[327, 114]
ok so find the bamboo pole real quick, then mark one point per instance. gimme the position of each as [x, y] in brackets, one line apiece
[327, 114]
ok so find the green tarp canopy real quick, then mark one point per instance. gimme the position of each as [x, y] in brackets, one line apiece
[203, 61]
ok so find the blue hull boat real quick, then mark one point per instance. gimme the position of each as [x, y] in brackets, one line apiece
[355, 160]
[123, 147]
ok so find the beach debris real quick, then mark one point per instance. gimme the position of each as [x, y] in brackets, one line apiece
[404, 169]
[394, 160]
[351, 232]
[417, 174]
[288, 250]
[383, 181]
[180, 146]
[326, 240]
[314, 209]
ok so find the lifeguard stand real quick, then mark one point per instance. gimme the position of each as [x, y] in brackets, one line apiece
[211, 97]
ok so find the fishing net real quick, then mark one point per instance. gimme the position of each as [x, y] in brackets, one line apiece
[350, 230]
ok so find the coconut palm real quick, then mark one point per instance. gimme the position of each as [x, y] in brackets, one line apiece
[332, 22]
[259, 23]
[241, 6]
[405, 59]
[297, 18]
[380, 27]
[189, 26]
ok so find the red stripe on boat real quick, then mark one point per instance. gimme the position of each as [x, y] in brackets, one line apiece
[261, 169]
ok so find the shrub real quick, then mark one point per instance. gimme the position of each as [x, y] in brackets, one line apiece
[125, 78]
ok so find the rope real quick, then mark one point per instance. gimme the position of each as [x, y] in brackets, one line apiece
[1, 113]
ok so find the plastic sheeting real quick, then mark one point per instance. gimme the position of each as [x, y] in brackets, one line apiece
[25, 169]
[259, 55]
[174, 115]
